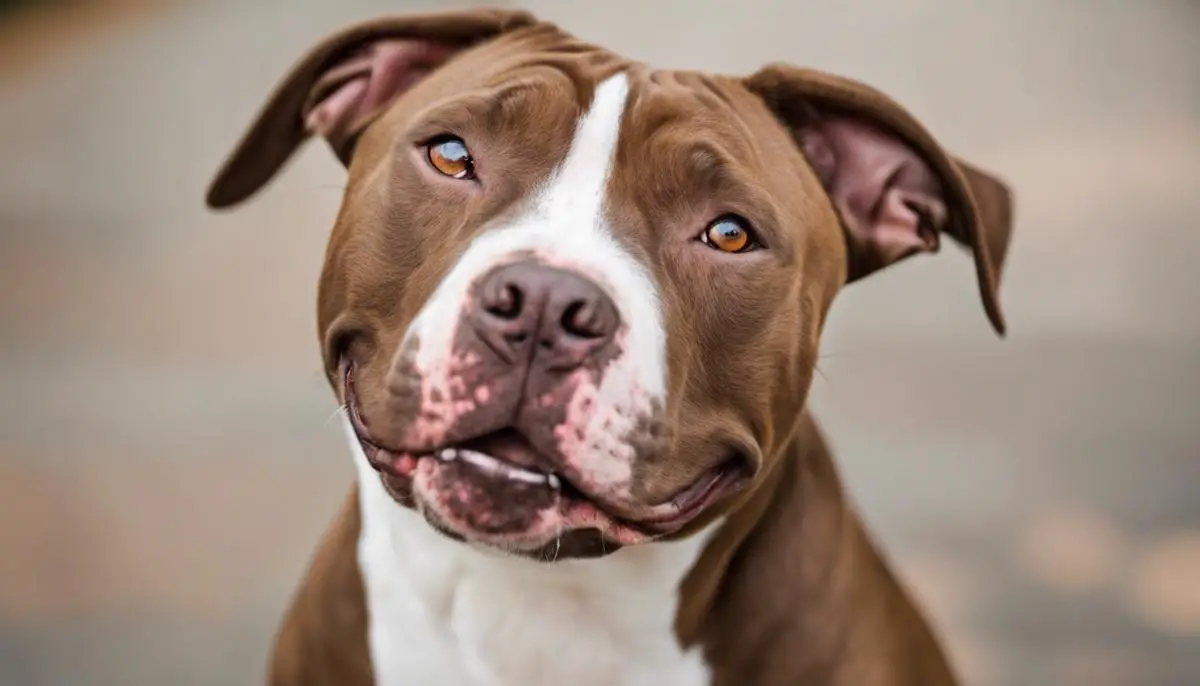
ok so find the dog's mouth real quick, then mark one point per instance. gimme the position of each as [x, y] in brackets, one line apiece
[490, 489]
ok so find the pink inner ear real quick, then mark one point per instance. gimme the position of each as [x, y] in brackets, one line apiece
[890, 200]
[362, 84]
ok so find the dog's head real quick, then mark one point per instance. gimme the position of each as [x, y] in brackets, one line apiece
[571, 301]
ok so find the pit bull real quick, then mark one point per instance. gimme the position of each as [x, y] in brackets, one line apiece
[571, 307]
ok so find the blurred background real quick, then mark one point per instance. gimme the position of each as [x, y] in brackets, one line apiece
[167, 459]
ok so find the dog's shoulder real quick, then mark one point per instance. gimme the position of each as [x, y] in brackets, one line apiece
[323, 638]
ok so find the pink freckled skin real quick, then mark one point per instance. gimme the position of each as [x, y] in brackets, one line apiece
[444, 398]
[482, 394]
[592, 436]
[451, 501]
[571, 434]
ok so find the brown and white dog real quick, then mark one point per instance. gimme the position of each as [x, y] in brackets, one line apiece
[572, 306]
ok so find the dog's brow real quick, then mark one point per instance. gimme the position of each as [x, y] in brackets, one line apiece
[487, 108]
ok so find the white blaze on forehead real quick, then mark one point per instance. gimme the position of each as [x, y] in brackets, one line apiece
[565, 225]
[577, 191]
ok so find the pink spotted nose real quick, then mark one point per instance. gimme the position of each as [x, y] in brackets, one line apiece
[551, 318]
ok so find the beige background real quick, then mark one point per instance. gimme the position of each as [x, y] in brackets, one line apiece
[166, 459]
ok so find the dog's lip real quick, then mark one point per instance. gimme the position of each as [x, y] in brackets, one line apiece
[350, 403]
[657, 520]
[724, 479]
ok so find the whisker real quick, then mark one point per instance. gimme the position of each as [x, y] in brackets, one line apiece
[340, 410]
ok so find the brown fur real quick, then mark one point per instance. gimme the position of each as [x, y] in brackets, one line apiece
[791, 589]
[323, 637]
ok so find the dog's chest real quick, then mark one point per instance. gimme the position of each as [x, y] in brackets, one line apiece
[442, 613]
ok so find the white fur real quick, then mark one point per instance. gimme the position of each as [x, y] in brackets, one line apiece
[565, 226]
[444, 613]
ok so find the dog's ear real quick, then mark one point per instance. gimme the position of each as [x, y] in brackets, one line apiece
[344, 83]
[895, 189]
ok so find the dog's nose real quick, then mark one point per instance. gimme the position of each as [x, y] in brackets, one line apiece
[556, 317]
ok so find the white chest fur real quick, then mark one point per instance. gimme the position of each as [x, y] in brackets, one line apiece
[445, 614]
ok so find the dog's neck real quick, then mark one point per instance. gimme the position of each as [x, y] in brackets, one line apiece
[796, 590]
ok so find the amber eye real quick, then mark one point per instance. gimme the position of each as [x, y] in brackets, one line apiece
[450, 156]
[729, 234]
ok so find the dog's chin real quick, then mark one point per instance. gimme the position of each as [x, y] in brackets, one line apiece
[534, 544]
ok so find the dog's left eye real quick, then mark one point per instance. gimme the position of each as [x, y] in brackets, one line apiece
[729, 234]
[450, 156]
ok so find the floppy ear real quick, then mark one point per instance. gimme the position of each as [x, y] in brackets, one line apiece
[344, 83]
[893, 186]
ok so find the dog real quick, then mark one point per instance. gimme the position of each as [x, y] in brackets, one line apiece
[571, 306]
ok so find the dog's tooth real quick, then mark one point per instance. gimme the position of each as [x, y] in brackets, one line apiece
[483, 461]
[526, 476]
[496, 467]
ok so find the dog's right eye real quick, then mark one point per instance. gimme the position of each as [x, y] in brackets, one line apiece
[450, 157]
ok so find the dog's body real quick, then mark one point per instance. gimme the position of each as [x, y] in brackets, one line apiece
[540, 358]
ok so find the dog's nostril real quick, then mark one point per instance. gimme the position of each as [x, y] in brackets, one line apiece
[506, 303]
[581, 319]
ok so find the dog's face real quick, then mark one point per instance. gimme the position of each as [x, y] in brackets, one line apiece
[571, 303]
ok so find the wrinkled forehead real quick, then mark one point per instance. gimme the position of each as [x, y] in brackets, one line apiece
[628, 147]
[547, 84]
